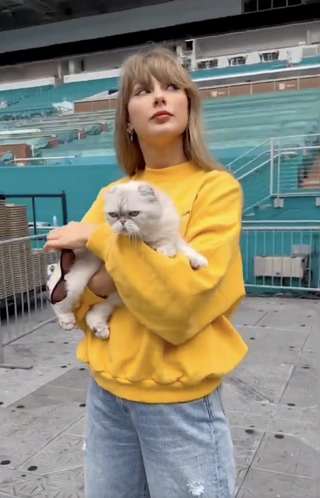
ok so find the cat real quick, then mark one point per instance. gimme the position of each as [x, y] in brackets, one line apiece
[136, 210]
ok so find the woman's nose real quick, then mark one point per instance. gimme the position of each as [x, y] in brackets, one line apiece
[159, 97]
[159, 100]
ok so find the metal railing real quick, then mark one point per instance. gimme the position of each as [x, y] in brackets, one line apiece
[296, 166]
[255, 172]
[279, 167]
[283, 258]
[33, 197]
[36, 161]
[24, 307]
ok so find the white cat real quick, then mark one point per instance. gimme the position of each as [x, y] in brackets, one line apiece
[141, 212]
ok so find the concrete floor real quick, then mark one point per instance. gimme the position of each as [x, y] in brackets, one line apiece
[270, 400]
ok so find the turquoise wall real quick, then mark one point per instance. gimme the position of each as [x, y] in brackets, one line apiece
[81, 184]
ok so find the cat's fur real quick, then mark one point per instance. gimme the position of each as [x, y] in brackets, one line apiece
[141, 212]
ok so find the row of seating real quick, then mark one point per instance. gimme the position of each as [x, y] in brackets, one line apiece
[38, 101]
[233, 126]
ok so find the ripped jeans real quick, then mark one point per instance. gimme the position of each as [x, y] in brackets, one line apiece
[137, 450]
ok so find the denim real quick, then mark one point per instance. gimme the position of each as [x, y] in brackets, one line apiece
[137, 450]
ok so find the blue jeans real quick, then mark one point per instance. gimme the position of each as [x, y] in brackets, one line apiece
[137, 450]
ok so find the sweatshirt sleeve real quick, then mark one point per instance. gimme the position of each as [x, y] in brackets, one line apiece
[167, 295]
[95, 215]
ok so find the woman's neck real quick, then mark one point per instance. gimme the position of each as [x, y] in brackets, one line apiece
[164, 156]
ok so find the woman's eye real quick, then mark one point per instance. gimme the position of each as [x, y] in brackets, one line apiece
[141, 92]
[172, 86]
[113, 215]
[133, 213]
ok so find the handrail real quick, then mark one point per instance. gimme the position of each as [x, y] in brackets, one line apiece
[296, 136]
[254, 169]
[284, 228]
[252, 160]
[41, 158]
[248, 151]
[280, 221]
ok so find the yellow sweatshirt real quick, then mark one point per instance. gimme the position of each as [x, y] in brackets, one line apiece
[173, 341]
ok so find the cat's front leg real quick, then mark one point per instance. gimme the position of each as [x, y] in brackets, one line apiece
[166, 249]
[66, 318]
[67, 321]
[98, 316]
[196, 260]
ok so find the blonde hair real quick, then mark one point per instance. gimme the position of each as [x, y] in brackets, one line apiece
[162, 65]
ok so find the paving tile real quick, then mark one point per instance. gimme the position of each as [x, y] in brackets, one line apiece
[63, 453]
[241, 474]
[246, 443]
[313, 341]
[19, 443]
[302, 388]
[76, 378]
[261, 484]
[302, 430]
[295, 320]
[11, 392]
[17, 484]
[49, 397]
[289, 453]
[248, 420]
[42, 424]
[61, 393]
[245, 318]
[78, 428]
[268, 339]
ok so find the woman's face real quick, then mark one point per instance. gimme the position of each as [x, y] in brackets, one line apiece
[159, 114]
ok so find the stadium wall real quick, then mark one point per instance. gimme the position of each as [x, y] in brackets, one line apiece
[213, 46]
[234, 90]
[172, 13]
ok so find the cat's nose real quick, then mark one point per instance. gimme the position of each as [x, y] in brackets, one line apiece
[122, 222]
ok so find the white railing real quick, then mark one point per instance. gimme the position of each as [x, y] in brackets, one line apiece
[279, 167]
[296, 170]
[23, 299]
[277, 257]
[37, 161]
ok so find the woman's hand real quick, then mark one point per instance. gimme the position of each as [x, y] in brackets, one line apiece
[72, 236]
[101, 284]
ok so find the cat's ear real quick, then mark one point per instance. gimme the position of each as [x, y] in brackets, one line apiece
[112, 191]
[148, 192]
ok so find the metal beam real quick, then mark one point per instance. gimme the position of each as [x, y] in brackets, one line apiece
[39, 6]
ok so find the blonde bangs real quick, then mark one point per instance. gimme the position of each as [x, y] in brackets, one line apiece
[161, 64]
[164, 67]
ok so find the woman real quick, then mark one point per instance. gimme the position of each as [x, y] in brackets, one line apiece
[156, 427]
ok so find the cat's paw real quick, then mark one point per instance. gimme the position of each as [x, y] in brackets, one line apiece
[169, 251]
[198, 261]
[67, 321]
[101, 330]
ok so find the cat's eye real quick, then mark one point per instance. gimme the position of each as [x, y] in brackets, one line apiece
[133, 213]
[113, 215]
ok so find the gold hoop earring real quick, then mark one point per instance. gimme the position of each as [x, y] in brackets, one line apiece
[131, 132]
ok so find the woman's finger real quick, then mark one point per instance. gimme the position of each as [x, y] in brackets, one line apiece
[54, 234]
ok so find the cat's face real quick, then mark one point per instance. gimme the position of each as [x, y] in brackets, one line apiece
[133, 209]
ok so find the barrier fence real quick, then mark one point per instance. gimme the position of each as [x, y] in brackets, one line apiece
[282, 258]
[276, 259]
[23, 301]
